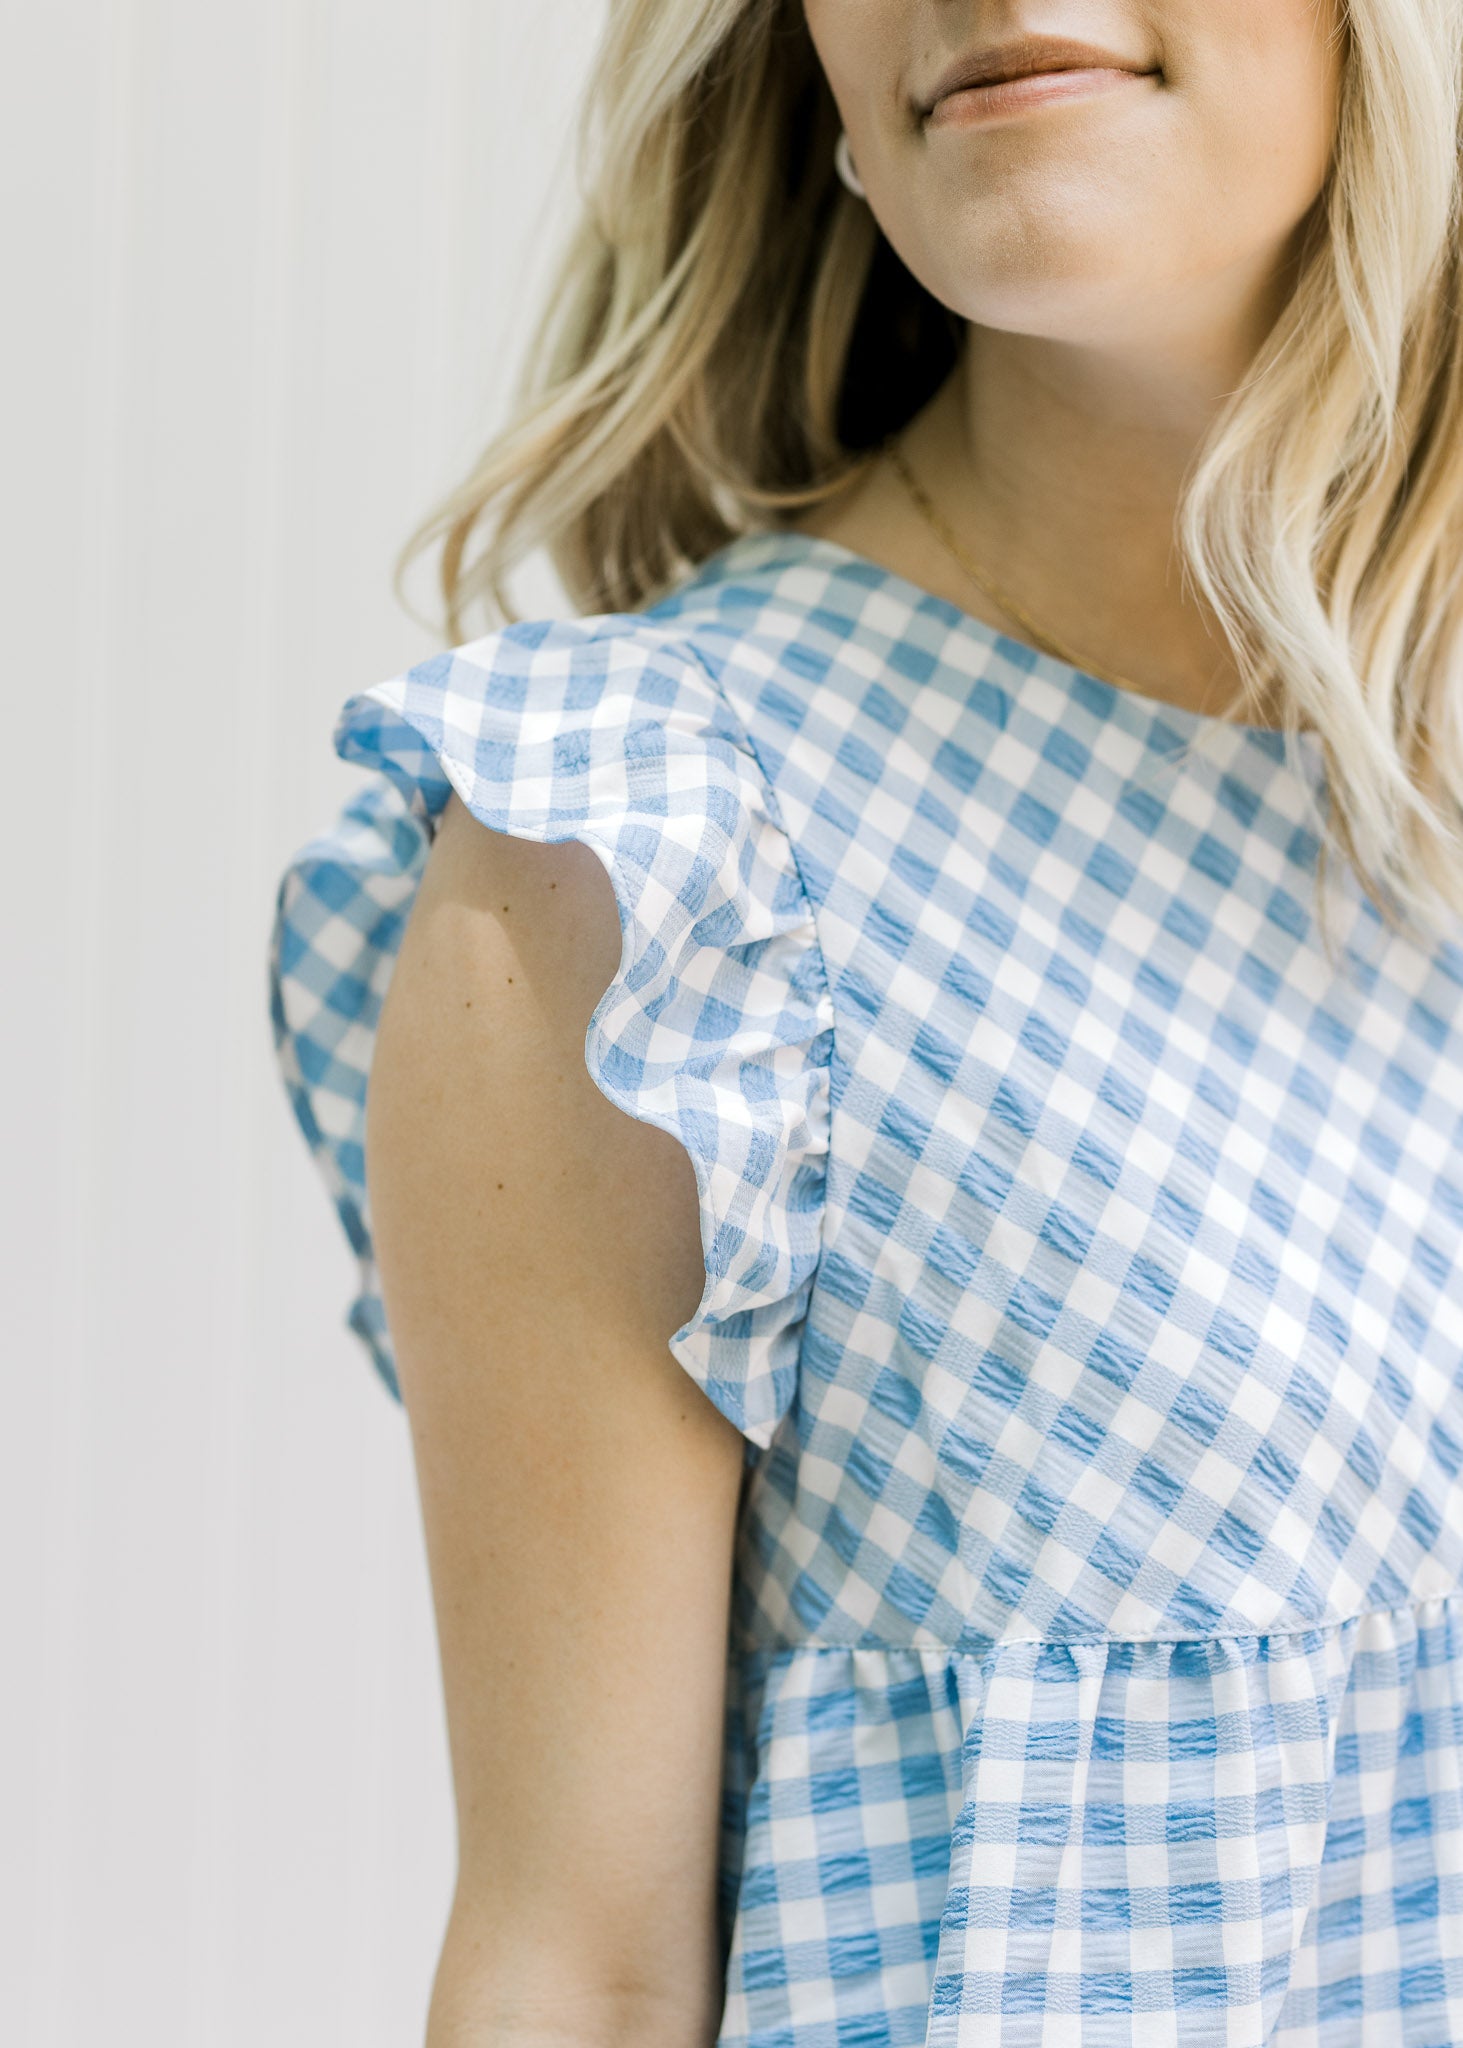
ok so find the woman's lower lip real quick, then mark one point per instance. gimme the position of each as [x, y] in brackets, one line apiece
[975, 103]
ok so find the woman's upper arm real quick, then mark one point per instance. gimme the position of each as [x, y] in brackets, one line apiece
[537, 1248]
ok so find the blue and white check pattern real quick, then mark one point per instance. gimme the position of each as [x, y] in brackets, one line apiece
[718, 1025]
[1084, 1267]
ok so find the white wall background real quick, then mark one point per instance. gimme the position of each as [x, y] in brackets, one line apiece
[267, 268]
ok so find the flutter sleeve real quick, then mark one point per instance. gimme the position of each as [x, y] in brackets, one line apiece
[717, 1026]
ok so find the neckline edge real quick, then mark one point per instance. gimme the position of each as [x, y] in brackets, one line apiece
[775, 543]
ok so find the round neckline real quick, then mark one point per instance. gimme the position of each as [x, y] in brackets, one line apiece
[1020, 653]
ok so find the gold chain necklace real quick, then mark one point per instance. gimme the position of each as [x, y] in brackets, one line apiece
[1046, 641]
[1043, 639]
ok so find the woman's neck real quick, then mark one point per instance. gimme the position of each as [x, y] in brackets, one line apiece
[1060, 472]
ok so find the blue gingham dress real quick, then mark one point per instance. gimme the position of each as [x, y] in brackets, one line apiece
[1084, 1270]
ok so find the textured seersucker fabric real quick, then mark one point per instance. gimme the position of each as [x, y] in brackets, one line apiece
[1084, 1260]
[718, 1024]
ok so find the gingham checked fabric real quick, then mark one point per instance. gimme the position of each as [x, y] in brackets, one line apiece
[1084, 1252]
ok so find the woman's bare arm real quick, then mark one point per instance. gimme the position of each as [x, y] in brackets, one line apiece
[537, 1247]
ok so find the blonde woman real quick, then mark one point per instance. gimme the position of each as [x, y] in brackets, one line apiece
[915, 1136]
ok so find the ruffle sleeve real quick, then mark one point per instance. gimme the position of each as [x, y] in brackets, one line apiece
[717, 1026]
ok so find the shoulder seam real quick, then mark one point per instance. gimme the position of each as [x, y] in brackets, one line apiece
[775, 811]
[750, 746]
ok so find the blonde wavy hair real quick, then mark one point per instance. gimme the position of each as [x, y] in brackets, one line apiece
[730, 336]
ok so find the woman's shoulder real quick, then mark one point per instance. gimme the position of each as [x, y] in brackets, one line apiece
[569, 688]
[672, 712]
